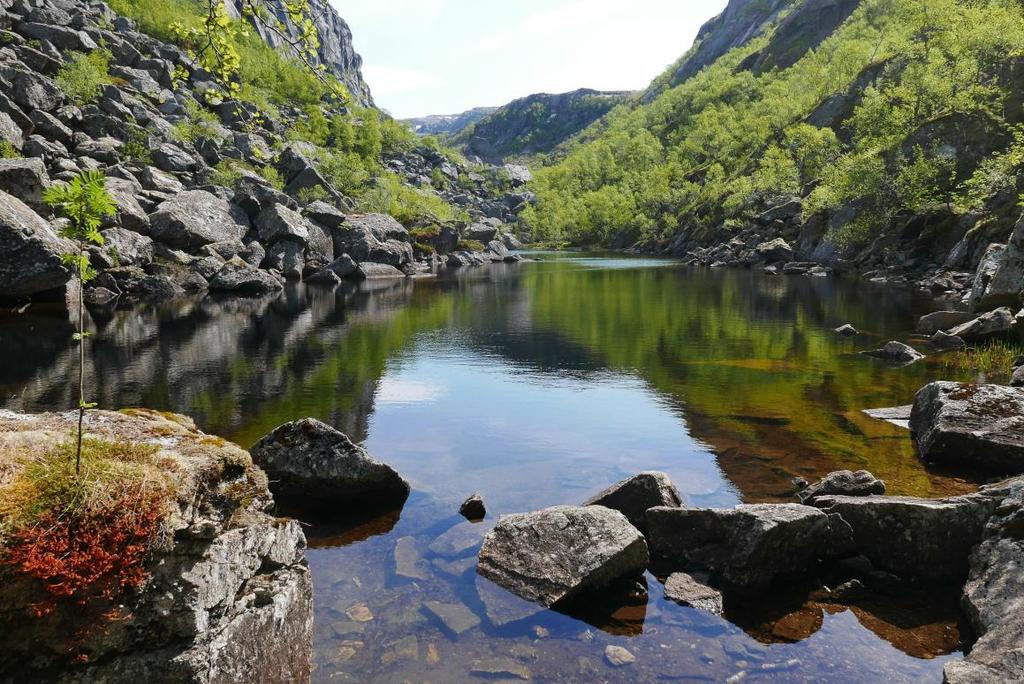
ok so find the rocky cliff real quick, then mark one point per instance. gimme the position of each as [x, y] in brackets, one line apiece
[536, 124]
[335, 52]
[448, 124]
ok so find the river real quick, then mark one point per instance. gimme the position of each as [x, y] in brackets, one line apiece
[537, 384]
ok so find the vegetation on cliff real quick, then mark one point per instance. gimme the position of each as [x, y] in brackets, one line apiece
[907, 105]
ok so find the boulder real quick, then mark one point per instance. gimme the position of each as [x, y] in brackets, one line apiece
[238, 276]
[311, 463]
[896, 352]
[343, 267]
[945, 341]
[278, 222]
[557, 553]
[377, 238]
[481, 232]
[633, 496]
[30, 252]
[371, 271]
[25, 179]
[975, 427]
[774, 251]
[745, 548]
[473, 508]
[993, 597]
[255, 195]
[999, 280]
[129, 213]
[998, 322]
[35, 91]
[10, 131]
[846, 330]
[173, 159]
[287, 257]
[300, 173]
[931, 323]
[324, 214]
[195, 218]
[919, 540]
[685, 590]
[843, 482]
[1018, 377]
[126, 248]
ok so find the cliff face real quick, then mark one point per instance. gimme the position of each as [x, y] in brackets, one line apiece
[336, 51]
[536, 124]
[448, 124]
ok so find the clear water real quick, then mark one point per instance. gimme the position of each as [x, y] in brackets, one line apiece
[538, 384]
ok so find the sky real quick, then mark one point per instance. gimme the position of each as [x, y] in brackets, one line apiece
[446, 56]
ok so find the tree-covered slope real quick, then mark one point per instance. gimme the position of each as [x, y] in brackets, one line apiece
[900, 126]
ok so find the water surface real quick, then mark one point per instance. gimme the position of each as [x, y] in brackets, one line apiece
[538, 384]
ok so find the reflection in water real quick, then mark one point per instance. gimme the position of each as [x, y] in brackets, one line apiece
[538, 384]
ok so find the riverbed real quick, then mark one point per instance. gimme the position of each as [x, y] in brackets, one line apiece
[536, 384]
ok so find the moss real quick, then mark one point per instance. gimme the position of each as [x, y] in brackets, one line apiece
[470, 245]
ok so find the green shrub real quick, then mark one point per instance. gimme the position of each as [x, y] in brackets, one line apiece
[199, 123]
[227, 172]
[425, 233]
[317, 193]
[8, 150]
[82, 78]
[272, 176]
[136, 148]
[389, 195]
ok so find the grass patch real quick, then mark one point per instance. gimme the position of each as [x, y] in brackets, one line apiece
[470, 246]
[993, 359]
[83, 77]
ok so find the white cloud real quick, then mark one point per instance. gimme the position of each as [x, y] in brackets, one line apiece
[385, 80]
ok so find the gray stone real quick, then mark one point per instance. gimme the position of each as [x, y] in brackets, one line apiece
[897, 415]
[105, 150]
[633, 496]
[896, 352]
[1018, 377]
[63, 37]
[942, 340]
[774, 251]
[685, 590]
[154, 179]
[10, 131]
[999, 280]
[287, 257]
[25, 179]
[976, 427]
[846, 330]
[931, 323]
[280, 223]
[35, 91]
[458, 541]
[312, 463]
[195, 218]
[371, 271]
[560, 552]
[30, 251]
[473, 508]
[996, 322]
[506, 668]
[918, 540]
[408, 562]
[481, 232]
[324, 214]
[300, 173]
[255, 195]
[747, 547]
[129, 213]
[169, 157]
[503, 607]
[617, 656]
[127, 248]
[456, 617]
[376, 238]
[843, 482]
[238, 276]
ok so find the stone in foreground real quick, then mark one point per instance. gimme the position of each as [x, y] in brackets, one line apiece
[313, 464]
[633, 496]
[978, 427]
[843, 482]
[685, 590]
[558, 553]
[747, 547]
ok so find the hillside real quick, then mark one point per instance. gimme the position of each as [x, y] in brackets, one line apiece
[882, 134]
[535, 124]
[448, 124]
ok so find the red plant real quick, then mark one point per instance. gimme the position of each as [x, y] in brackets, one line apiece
[92, 556]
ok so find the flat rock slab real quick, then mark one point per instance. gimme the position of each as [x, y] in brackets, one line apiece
[897, 415]
[459, 540]
[503, 607]
[916, 539]
[556, 553]
[747, 547]
[685, 590]
[455, 617]
[407, 559]
[500, 667]
[975, 427]
[633, 496]
[843, 482]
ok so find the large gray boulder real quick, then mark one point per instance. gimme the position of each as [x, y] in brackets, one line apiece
[377, 238]
[126, 248]
[129, 213]
[916, 539]
[633, 496]
[278, 222]
[557, 553]
[998, 322]
[481, 232]
[300, 173]
[993, 597]
[929, 324]
[999, 280]
[842, 482]
[774, 251]
[311, 463]
[744, 548]
[26, 179]
[287, 257]
[896, 352]
[195, 218]
[688, 591]
[975, 427]
[35, 91]
[238, 276]
[30, 251]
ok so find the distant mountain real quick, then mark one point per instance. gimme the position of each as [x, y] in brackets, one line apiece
[536, 124]
[447, 124]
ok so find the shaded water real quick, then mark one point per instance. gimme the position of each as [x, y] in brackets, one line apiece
[538, 384]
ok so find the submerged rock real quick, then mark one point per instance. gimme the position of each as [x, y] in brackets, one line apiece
[455, 617]
[557, 553]
[633, 496]
[685, 590]
[843, 482]
[617, 656]
[978, 427]
[746, 547]
[897, 352]
[311, 463]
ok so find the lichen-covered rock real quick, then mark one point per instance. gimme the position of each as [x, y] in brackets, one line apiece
[931, 323]
[25, 179]
[896, 352]
[229, 599]
[195, 218]
[843, 482]
[745, 548]
[687, 591]
[30, 251]
[992, 323]
[373, 271]
[376, 238]
[313, 464]
[633, 496]
[976, 427]
[557, 553]
[236, 275]
[916, 539]
[774, 251]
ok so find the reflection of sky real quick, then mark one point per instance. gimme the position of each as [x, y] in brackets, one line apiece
[454, 422]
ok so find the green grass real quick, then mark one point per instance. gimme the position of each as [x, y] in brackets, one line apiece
[994, 359]
[82, 78]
